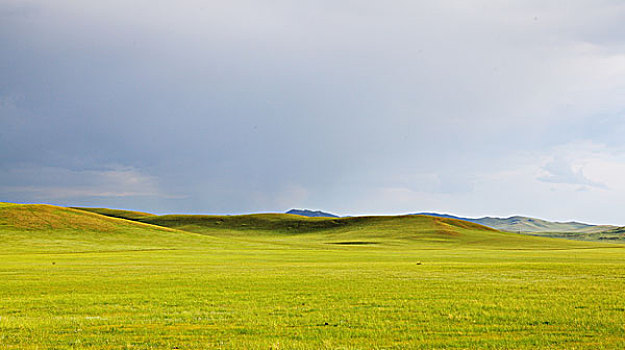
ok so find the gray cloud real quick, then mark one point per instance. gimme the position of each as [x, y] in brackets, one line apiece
[243, 106]
[49, 183]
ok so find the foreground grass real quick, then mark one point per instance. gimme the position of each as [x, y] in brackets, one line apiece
[64, 288]
[352, 298]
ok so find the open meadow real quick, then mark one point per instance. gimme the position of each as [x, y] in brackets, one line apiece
[72, 279]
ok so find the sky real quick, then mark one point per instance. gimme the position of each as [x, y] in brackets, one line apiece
[475, 108]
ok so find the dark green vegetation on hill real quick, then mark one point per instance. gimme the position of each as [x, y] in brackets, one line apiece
[76, 279]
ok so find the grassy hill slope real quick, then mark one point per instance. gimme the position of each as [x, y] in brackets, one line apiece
[45, 228]
[532, 225]
[523, 224]
[414, 231]
[615, 235]
[39, 227]
[116, 213]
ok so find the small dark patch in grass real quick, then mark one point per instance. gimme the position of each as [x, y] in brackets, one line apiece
[354, 243]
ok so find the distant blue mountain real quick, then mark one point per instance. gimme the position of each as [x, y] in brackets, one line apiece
[311, 213]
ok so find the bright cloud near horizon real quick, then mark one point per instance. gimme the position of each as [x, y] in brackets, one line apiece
[355, 107]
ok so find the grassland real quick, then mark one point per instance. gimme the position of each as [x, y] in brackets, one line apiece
[76, 279]
[616, 235]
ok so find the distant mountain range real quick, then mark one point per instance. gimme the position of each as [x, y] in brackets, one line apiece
[311, 213]
[520, 224]
[529, 225]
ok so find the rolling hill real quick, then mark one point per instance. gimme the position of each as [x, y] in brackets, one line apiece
[311, 213]
[41, 227]
[116, 213]
[32, 227]
[416, 231]
[524, 224]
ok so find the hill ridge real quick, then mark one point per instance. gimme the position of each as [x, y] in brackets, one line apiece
[311, 213]
[73, 226]
[418, 231]
[44, 228]
[524, 224]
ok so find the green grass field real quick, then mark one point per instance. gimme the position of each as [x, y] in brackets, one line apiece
[78, 279]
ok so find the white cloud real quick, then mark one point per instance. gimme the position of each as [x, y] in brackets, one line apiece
[560, 171]
[585, 163]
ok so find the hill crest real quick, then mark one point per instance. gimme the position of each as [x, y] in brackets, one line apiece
[523, 224]
[311, 213]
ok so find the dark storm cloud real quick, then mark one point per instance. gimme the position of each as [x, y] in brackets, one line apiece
[348, 106]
